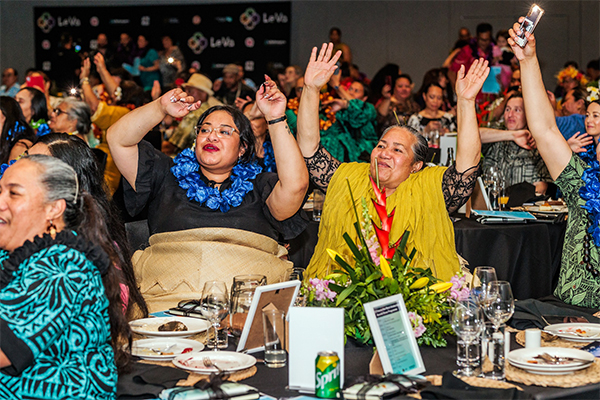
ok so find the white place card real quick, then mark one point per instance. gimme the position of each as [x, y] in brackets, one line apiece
[311, 330]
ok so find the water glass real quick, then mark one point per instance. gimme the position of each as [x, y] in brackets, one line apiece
[214, 306]
[242, 292]
[318, 200]
[467, 322]
[274, 335]
[493, 348]
[468, 356]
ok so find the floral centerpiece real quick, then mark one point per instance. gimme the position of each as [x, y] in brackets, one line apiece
[381, 270]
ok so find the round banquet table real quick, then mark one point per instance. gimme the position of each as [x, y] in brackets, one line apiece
[273, 382]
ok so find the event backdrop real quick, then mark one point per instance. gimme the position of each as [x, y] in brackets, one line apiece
[210, 36]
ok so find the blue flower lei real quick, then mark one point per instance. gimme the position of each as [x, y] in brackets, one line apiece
[269, 157]
[4, 166]
[43, 129]
[12, 132]
[186, 168]
[590, 192]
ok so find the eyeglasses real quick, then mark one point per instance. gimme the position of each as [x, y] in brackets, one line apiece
[221, 131]
[58, 111]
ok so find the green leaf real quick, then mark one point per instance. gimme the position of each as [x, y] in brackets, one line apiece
[336, 288]
[347, 292]
[346, 266]
[375, 275]
[353, 248]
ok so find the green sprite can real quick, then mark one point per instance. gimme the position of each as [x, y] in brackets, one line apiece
[327, 375]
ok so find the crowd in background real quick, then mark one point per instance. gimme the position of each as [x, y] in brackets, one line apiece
[68, 116]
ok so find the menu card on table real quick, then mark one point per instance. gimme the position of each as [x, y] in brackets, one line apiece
[393, 336]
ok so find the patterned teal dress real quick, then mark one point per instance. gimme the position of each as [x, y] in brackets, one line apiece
[54, 321]
[576, 285]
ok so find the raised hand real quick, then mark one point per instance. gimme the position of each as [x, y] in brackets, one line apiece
[469, 84]
[386, 91]
[85, 68]
[178, 103]
[321, 66]
[270, 101]
[99, 61]
[521, 53]
[579, 141]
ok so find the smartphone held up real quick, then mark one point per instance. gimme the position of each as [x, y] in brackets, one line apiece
[529, 23]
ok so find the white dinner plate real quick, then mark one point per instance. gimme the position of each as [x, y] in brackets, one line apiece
[522, 358]
[555, 209]
[587, 332]
[228, 361]
[149, 326]
[160, 349]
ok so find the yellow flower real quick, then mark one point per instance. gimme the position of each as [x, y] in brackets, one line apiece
[419, 283]
[441, 287]
[333, 253]
[385, 267]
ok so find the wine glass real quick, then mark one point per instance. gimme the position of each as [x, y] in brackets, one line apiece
[214, 306]
[467, 322]
[494, 182]
[499, 303]
[482, 277]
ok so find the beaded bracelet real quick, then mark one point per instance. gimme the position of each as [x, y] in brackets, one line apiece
[280, 119]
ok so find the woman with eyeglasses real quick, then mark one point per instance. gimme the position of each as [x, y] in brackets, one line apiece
[73, 117]
[215, 184]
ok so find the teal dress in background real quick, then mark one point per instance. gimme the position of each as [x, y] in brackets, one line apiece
[353, 133]
[146, 77]
[54, 321]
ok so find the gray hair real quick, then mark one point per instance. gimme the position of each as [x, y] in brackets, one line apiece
[420, 148]
[60, 181]
[80, 111]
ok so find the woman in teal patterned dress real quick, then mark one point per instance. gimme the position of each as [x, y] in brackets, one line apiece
[59, 294]
[579, 278]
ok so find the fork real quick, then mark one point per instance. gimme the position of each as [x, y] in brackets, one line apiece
[161, 351]
[208, 363]
[555, 360]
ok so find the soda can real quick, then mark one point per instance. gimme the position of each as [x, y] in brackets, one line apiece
[327, 375]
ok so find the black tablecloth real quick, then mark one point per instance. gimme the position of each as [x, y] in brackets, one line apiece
[526, 255]
[437, 361]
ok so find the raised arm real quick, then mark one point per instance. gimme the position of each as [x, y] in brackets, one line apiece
[288, 194]
[318, 72]
[110, 85]
[125, 134]
[88, 94]
[468, 146]
[551, 144]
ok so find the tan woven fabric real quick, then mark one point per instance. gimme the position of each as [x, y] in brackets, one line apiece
[177, 264]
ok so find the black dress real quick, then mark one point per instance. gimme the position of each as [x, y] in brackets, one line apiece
[170, 210]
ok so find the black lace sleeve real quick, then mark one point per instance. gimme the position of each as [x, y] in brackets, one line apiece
[321, 167]
[458, 186]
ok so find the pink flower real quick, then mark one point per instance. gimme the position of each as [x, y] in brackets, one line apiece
[321, 289]
[459, 290]
[417, 323]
